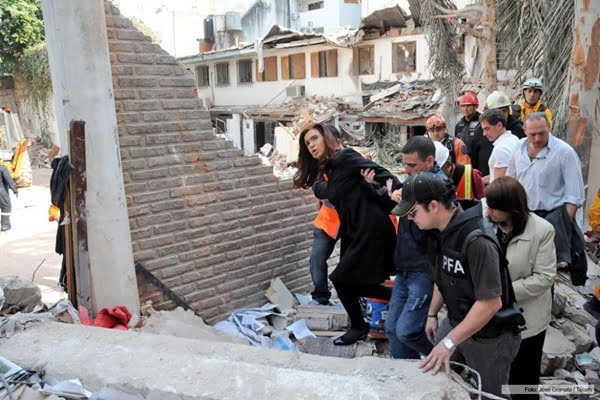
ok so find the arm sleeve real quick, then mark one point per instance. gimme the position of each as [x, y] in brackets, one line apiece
[320, 189]
[484, 266]
[544, 270]
[503, 156]
[571, 170]
[358, 162]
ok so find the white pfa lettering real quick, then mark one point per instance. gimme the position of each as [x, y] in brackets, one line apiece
[453, 266]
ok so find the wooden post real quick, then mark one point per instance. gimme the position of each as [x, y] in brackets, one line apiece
[78, 185]
[490, 70]
[585, 67]
[68, 249]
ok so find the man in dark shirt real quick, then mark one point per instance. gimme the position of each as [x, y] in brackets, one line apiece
[6, 182]
[469, 130]
[467, 278]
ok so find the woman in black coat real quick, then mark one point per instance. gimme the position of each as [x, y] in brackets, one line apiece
[366, 231]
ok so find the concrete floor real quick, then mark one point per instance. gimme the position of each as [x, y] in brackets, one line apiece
[30, 242]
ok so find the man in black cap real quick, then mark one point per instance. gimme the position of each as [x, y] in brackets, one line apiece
[469, 278]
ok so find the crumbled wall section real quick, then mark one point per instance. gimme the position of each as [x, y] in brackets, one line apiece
[213, 225]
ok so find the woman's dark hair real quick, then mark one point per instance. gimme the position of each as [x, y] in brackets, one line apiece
[508, 195]
[309, 169]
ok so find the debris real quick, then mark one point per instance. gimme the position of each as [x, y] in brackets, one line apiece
[244, 324]
[576, 334]
[303, 299]
[71, 389]
[279, 295]
[182, 323]
[324, 347]
[323, 318]
[63, 311]
[558, 352]
[300, 330]
[112, 318]
[20, 295]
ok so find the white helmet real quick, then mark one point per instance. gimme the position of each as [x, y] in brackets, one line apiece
[534, 83]
[498, 99]
[441, 153]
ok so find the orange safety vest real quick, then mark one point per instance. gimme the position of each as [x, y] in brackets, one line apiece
[464, 190]
[328, 219]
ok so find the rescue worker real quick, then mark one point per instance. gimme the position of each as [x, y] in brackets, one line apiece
[501, 101]
[6, 182]
[469, 130]
[437, 131]
[532, 91]
[468, 181]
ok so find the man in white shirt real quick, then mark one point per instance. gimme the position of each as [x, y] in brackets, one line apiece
[493, 123]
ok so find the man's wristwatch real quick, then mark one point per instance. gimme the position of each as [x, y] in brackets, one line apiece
[448, 343]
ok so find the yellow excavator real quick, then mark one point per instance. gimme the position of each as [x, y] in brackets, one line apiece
[13, 146]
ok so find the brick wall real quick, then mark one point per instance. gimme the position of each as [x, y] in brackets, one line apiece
[213, 225]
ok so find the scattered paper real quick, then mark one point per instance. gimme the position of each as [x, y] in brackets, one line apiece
[300, 330]
[71, 389]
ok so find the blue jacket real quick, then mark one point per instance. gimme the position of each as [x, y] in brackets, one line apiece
[411, 252]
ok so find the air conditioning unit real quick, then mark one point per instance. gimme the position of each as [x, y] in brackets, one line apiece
[295, 91]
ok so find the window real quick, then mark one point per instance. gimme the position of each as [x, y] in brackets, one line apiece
[404, 57]
[222, 74]
[270, 72]
[244, 68]
[364, 60]
[351, 1]
[324, 63]
[202, 79]
[316, 5]
[293, 66]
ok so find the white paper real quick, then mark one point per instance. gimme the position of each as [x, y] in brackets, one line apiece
[300, 330]
[71, 389]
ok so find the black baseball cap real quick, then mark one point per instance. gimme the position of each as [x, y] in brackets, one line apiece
[420, 188]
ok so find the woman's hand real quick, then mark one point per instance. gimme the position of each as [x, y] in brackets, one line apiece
[369, 175]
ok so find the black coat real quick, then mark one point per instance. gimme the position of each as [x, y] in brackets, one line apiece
[6, 182]
[366, 231]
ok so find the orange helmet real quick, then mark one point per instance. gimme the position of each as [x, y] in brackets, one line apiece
[469, 98]
[435, 121]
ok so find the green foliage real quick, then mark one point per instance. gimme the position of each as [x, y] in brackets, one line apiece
[33, 82]
[21, 26]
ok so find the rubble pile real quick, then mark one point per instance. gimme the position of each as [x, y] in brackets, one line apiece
[406, 101]
[39, 154]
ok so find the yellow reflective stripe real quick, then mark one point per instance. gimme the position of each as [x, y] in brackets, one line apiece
[467, 176]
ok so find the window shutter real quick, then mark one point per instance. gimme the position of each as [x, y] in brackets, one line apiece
[271, 69]
[314, 65]
[332, 62]
[285, 68]
[299, 61]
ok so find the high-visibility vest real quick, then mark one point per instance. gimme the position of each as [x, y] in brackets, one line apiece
[328, 219]
[464, 190]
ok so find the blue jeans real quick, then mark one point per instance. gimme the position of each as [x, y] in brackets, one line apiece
[407, 316]
[322, 248]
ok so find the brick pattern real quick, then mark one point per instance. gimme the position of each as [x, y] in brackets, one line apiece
[214, 225]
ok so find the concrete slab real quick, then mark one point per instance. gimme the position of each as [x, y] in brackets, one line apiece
[181, 368]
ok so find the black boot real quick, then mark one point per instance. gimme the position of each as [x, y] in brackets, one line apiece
[352, 336]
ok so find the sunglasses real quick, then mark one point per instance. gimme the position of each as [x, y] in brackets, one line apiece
[413, 210]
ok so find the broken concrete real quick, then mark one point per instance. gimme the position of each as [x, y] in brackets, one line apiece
[558, 352]
[20, 295]
[578, 335]
[323, 318]
[185, 324]
[278, 294]
[192, 369]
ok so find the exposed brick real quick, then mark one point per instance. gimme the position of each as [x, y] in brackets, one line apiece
[130, 35]
[143, 152]
[142, 105]
[158, 70]
[136, 58]
[151, 197]
[167, 205]
[156, 242]
[214, 225]
[137, 82]
[162, 139]
[120, 47]
[176, 82]
[180, 104]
